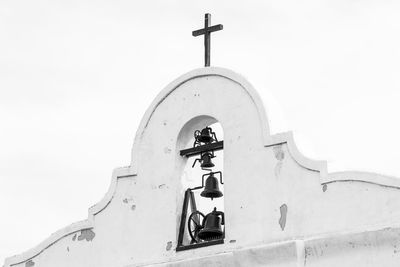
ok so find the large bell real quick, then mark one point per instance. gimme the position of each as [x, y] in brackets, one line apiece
[206, 161]
[212, 226]
[205, 136]
[211, 189]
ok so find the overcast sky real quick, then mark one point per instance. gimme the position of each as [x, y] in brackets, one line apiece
[77, 76]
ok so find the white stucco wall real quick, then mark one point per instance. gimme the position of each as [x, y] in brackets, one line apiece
[281, 209]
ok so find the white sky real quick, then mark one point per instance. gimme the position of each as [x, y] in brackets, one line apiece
[77, 76]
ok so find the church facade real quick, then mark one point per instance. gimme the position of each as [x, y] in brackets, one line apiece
[279, 207]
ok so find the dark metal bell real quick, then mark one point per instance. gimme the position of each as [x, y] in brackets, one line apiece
[206, 159]
[211, 189]
[205, 135]
[212, 226]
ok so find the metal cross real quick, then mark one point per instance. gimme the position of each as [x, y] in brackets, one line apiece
[207, 36]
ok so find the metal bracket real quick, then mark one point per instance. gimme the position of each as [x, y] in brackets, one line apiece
[190, 152]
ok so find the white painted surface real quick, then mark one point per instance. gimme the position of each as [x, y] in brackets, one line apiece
[332, 219]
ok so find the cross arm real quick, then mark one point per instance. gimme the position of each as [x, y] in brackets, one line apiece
[209, 29]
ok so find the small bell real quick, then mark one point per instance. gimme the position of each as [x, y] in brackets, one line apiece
[205, 135]
[211, 189]
[206, 161]
[211, 228]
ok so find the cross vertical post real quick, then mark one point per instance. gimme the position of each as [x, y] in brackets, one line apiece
[207, 40]
[206, 31]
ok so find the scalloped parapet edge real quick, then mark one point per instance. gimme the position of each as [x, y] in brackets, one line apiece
[310, 164]
[269, 140]
[364, 177]
[118, 173]
[321, 166]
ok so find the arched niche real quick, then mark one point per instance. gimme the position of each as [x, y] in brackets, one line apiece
[191, 176]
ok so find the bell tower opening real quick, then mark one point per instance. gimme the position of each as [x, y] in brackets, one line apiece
[202, 221]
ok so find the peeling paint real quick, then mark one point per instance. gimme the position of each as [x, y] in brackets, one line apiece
[278, 168]
[324, 187]
[74, 237]
[169, 246]
[127, 200]
[396, 249]
[315, 251]
[29, 263]
[162, 186]
[68, 249]
[279, 154]
[87, 234]
[307, 253]
[282, 219]
[232, 241]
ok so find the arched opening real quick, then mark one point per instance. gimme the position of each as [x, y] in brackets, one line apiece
[191, 176]
[201, 220]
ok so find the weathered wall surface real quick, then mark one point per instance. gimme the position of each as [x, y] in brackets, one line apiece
[281, 209]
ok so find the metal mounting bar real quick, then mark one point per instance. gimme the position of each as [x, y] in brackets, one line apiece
[189, 198]
[183, 217]
[190, 152]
